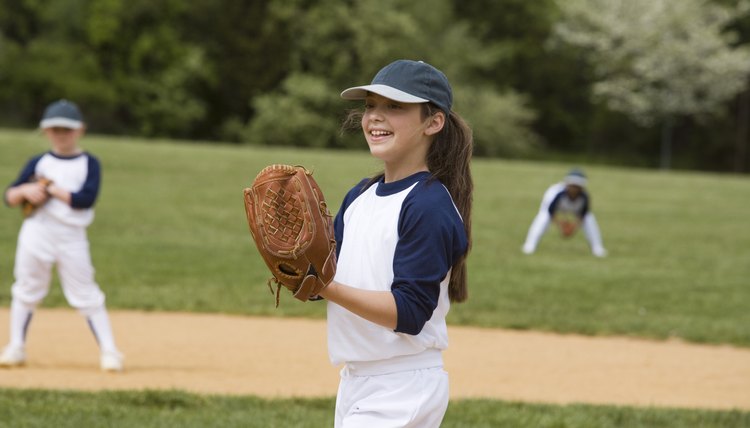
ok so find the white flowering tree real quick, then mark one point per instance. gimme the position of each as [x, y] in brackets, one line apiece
[657, 60]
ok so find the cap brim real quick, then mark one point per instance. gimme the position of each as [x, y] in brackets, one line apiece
[360, 93]
[60, 122]
[575, 181]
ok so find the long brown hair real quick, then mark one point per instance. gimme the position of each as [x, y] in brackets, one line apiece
[448, 159]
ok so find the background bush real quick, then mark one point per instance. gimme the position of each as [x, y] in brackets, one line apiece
[221, 70]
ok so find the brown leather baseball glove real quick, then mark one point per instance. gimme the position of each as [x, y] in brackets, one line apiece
[293, 229]
[567, 223]
[28, 208]
[568, 228]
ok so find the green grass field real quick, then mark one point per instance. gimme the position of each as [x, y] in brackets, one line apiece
[170, 234]
[164, 409]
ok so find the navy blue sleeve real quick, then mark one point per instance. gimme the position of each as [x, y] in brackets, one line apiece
[553, 205]
[431, 239]
[586, 200]
[25, 176]
[86, 197]
[338, 221]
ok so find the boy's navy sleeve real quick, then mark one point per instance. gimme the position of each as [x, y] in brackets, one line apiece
[553, 205]
[24, 176]
[431, 239]
[86, 197]
[586, 202]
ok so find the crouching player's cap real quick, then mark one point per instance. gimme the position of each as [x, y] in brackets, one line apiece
[407, 82]
[575, 177]
[62, 114]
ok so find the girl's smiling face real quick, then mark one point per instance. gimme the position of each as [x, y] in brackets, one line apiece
[396, 134]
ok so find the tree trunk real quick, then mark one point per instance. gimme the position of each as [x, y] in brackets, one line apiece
[743, 109]
[666, 144]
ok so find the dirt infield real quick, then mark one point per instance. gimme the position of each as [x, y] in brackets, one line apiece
[287, 357]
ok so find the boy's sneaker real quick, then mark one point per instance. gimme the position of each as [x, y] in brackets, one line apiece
[111, 361]
[12, 357]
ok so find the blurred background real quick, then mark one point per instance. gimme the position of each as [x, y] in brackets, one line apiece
[647, 83]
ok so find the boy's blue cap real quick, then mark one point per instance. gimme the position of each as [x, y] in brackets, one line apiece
[63, 114]
[576, 177]
[407, 82]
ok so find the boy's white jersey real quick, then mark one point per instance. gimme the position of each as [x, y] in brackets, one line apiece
[78, 174]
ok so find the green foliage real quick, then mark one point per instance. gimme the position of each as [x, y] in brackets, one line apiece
[165, 104]
[659, 61]
[103, 25]
[198, 70]
[171, 234]
[246, 49]
[656, 59]
[311, 115]
[501, 123]
[179, 409]
[293, 116]
[555, 83]
[109, 57]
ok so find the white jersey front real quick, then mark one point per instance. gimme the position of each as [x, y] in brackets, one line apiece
[374, 225]
[78, 174]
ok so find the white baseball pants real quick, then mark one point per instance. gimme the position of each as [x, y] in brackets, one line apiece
[43, 242]
[542, 221]
[412, 398]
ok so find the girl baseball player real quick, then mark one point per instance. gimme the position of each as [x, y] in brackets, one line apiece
[402, 238]
[566, 200]
[55, 233]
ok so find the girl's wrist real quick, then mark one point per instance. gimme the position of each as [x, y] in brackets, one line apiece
[329, 288]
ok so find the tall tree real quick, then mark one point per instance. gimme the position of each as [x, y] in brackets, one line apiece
[247, 49]
[658, 60]
[338, 44]
[557, 86]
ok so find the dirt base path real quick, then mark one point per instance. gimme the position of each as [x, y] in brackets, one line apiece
[287, 357]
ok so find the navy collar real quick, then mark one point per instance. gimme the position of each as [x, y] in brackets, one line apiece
[66, 157]
[387, 189]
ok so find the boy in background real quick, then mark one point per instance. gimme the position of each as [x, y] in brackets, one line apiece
[57, 190]
[567, 204]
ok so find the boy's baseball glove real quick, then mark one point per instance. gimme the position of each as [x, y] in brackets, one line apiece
[568, 224]
[293, 230]
[27, 208]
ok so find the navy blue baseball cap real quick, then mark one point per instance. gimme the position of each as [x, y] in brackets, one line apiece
[63, 114]
[407, 82]
[576, 177]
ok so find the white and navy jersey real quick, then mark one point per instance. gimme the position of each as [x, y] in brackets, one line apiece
[79, 174]
[401, 237]
[561, 203]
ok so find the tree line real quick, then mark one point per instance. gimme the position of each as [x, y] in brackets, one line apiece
[580, 80]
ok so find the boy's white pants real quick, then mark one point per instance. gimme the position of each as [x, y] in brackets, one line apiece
[43, 242]
[410, 398]
[542, 221]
